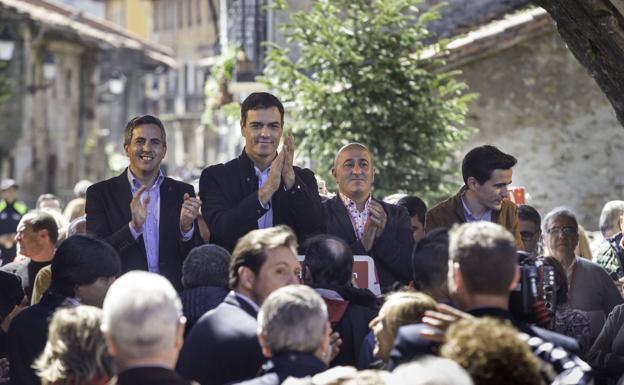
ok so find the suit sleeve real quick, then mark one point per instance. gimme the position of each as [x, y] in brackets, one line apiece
[304, 203]
[97, 222]
[394, 246]
[601, 356]
[225, 221]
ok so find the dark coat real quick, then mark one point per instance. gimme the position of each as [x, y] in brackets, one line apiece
[27, 337]
[409, 344]
[230, 205]
[392, 251]
[198, 300]
[108, 217]
[150, 375]
[451, 211]
[222, 347]
[284, 365]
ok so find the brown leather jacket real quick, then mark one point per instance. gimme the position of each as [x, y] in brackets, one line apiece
[451, 211]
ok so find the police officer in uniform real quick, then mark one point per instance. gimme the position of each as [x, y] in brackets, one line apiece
[11, 211]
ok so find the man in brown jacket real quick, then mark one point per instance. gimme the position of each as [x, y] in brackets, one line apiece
[484, 197]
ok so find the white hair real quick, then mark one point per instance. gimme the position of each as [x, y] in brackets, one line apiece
[141, 314]
[293, 318]
[431, 370]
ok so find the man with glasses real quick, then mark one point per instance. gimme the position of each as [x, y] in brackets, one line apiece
[589, 287]
[529, 223]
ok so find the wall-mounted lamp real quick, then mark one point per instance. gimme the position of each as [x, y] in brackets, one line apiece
[49, 67]
[7, 43]
[117, 83]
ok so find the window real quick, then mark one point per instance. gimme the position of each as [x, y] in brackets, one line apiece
[189, 12]
[180, 12]
[198, 11]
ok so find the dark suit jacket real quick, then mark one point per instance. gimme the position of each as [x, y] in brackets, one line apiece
[409, 344]
[230, 205]
[150, 375]
[451, 211]
[285, 365]
[392, 251]
[108, 217]
[222, 347]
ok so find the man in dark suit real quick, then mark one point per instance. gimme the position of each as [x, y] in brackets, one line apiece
[369, 226]
[260, 188]
[222, 346]
[483, 269]
[143, 326]
[147, 217]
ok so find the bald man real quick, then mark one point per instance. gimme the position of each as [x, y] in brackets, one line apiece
[370, 226]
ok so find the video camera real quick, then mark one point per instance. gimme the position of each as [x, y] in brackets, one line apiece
[537, 282]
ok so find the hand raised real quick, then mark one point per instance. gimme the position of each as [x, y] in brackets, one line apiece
[288, 173]
[188, 212]
[273, 182]
[138, 209]
[377, 215]
[370, 233]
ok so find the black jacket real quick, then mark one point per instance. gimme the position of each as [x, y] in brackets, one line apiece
[230, 205]
[150, 375]
[284, 365]
[198, 300]
[222, 347]
[108, 217]
[392, 251]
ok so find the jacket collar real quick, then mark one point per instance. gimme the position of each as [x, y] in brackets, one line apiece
[459, 207]
[298, 364]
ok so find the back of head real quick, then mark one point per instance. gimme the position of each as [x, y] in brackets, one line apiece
[415, 207]
[260, 101]
[75, 352]
[486, 255]
[80, 188]
[481, 161]
[529, 213]
[430, 260]
[250, 249]
[431, 370]
[141, 315]
[610, 218]
[206, 265]
[293, 318]
[328, 260]
[74, 209]
[405, 308]
[491, 352]
[81, 260]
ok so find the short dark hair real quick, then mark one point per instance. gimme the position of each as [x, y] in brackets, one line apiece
[486, 254]
[81, 260]
[206, 265]
[250, 250]
[430, 259]
[260, 101]
[414, 206]
[140, 121]
[39, 220]
[529, 213]
[481, 161]
[329, 260]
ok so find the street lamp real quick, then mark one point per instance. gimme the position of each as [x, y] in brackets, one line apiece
[7, 44]
[49, 67]
[117, 83]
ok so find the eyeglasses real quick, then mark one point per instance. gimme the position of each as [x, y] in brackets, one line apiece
[527, 235]
[567, 230]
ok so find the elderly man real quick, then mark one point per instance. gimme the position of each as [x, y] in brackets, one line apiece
[222, 346]
[36, 238]
[368, 225]
[293, 331]
[147, 217]
[143, 326]
[487, 172]
[260, 188]
[590, 288]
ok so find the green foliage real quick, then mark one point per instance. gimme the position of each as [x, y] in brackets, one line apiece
[365, 73]
[216, 87]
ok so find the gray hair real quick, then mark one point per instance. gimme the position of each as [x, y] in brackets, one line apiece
[431, 370]
[141, 314]
[206, 265]
[610, 218]
[293, 318]
[556, 213]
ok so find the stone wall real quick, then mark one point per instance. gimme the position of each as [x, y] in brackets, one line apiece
[539, 104]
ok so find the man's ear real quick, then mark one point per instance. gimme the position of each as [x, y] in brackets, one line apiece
[472, 183]
[43, 234]
[266, 351]
[246, 278]
[333, 173]
[516, 278]
[179, 336]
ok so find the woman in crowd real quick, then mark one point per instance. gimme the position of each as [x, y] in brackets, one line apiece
[606, 356]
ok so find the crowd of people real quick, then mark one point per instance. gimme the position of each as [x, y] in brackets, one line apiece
[252, 279]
